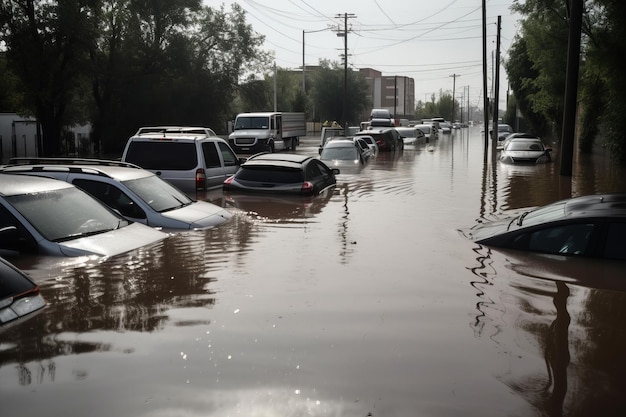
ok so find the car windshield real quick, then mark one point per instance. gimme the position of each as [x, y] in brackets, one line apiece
[523, 146]
[158, 194]
[252, 122]
[65, 214]
[344, 154]
[270, 174]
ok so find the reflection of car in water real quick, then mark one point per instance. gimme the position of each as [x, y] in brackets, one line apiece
[592, 226]
[279, 207]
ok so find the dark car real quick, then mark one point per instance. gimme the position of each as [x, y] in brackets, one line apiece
[19, 295]
[593, 225]
[282, 173]
[387, 139]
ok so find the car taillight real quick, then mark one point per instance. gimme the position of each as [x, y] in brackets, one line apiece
[229, 180]
[381, 143]
[307, 187]
[200, 179]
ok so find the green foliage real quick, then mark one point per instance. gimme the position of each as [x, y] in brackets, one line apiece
[327, 93]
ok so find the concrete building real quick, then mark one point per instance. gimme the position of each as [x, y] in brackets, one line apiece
[392, 92]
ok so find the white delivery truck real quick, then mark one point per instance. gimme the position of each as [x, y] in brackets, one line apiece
[266, 131]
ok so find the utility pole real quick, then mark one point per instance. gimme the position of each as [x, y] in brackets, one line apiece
[485, 97]
[453, 92]
[344, 34]
[496, 95]
[571, 87]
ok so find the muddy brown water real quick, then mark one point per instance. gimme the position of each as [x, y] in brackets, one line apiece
[365, 301]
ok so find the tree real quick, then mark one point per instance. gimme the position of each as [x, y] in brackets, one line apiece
[327, 92]
[47, 48]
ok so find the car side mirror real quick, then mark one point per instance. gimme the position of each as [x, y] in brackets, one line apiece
[8, 236]
[336, 171]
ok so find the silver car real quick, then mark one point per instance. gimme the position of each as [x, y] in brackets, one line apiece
[135, 193]
[51, 217]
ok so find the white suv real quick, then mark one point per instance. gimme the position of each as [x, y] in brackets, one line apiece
[190, 158]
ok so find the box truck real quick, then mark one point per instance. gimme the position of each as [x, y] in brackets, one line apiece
[266, 131]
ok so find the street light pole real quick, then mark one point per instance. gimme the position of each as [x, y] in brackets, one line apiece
[453, 92]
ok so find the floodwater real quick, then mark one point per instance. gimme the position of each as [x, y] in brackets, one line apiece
[365, 301]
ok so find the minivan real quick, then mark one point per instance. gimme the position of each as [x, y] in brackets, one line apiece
[190, 158]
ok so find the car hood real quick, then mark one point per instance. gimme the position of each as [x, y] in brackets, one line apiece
[524, 154]
[114, 242]
[483, 231]
[200, 215]
[247, 132]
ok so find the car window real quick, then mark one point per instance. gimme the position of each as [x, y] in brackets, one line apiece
[228, 156]
[112, 196]
[211, 157]
[158, 194]
[176, 156]
[343, 153]
[567, 239]
[65, 214]
[313, 170]
[615, 246]
[23, 241]
[270, 175]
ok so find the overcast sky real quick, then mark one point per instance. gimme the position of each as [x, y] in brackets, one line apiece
[438, 43]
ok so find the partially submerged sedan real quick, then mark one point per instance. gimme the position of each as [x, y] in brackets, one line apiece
[525, 150]
[50, 217]
[593, 225]
[282, 173]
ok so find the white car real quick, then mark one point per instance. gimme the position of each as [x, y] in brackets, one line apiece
[411, 135]
[137, 194]
[430, 131]
[371, 142]
[50, 217]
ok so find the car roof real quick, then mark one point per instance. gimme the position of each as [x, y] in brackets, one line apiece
[117, 170]
[340, 143]
[175, 133]
[602, 205]
[286, 160]
[11, 185]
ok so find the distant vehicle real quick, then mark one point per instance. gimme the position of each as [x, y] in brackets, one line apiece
[135, 193]
[190, 158]
[525, 151]
[503, 131]
[267, 131]
[330, 132]
[19, 295]
[381, 118]
[411, 135]
[503, 140]
[51, 217]
[430, 131]
[592, 225]
[371, 142]
[282, 174]
[387, 138]
[345, 152]
[446, 128]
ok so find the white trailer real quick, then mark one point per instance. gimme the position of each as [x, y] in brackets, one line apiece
[267, 131]
[18, 136]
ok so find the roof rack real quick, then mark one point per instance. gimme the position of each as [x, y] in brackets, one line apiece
[69, 161]
[189, 130]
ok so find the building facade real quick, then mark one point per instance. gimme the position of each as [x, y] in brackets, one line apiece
[395, 93]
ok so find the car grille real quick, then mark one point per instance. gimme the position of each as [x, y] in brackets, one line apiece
[245, 141]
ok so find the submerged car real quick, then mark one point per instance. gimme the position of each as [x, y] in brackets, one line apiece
[411, 135]
[282, 173]
[593, 226]
[346, 152]
[51, 217]
[525, 151]
[19, 295]
[137, 194]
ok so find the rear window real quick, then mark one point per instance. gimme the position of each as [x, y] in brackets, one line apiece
[270, 174]
[175, 156]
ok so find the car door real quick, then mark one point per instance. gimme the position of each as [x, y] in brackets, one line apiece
[220, 162]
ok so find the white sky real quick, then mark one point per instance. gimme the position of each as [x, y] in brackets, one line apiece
[428, 41]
